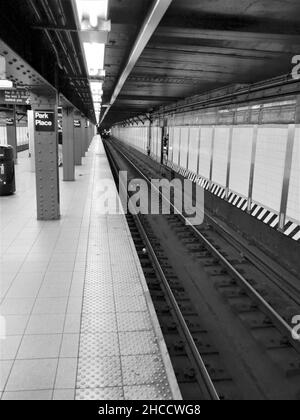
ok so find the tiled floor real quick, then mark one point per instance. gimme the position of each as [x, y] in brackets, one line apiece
[75, 308]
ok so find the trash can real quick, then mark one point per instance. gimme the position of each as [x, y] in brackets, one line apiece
[7, 171]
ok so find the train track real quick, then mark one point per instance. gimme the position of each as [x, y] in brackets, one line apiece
[266, 324]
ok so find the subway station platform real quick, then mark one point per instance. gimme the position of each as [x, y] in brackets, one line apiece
[77, 320]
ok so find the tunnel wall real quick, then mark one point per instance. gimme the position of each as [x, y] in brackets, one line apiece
[22, 131]
[239, 154]
[22, 138]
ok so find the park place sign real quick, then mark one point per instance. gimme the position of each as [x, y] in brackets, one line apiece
[44, 121]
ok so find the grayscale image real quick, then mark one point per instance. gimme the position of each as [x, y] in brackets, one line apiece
[149, 203]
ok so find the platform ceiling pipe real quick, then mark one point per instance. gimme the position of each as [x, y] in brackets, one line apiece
[154, 16]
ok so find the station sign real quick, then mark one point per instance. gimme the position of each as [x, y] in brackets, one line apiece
[44, 121]
[77, 123]
[15, 97]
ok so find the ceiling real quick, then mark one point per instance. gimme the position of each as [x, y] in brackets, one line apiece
[198, 46]
[44, 49]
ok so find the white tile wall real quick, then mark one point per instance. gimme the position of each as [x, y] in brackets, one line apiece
[241, 159]
[205, 151]
[184, 146]
[193, 149]
[269, 166]
[293, 207]
[3, 136]
[22, 135]
[220, 155]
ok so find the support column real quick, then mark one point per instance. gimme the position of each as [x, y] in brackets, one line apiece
[77, 138]
[86, 137]
[30, 119]
[234, 123]
[11, 129]
[90, 134]
[68, 145]
[83, 129]
[46, 157]
[287, 176]
[252, 167]
[212, 151]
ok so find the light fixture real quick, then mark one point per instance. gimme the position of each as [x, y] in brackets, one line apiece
[96, 87]
[97, 98]
[94, 54]
[94, 29]
[91, 13]
[97, 116]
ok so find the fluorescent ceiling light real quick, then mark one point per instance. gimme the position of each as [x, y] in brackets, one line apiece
[90, 12]
[97, 98]
[96, 88]
[94, 54]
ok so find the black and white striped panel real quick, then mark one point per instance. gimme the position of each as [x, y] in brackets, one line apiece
[238, 201]
[292, 230]
[192, 176]
[218, 191]
[268, 217]
[183, 172]
[204, 183]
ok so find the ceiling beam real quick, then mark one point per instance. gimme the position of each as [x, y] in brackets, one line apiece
[145, 98]
[54, 28]
[153, 18]
[222, 35]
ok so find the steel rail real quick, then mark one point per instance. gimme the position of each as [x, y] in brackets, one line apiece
[209, 386]
[256, 260]
[281, 324]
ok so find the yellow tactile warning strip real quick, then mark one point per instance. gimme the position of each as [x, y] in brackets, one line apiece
[122, 354]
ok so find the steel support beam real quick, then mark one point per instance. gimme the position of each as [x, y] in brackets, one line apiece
[252, 168]
[153, 18]
[68, 145]
[287, 176]
[77, 137]
[82, 140]
[30, 122]
[46, 157]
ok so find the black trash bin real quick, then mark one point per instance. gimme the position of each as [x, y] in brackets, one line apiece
[7, 170]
